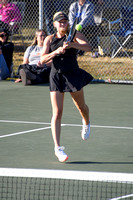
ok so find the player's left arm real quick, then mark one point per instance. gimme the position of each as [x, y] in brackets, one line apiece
[80, 42]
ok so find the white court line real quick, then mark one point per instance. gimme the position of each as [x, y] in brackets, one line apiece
[94, 126]
[22, 122]
[122, 197]
[39, 129]
[98, 126]
[23, 132]
[115, 127]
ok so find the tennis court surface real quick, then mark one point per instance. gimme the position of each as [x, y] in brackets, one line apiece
[26, 143]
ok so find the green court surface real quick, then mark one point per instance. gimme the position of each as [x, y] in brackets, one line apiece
[25, 134]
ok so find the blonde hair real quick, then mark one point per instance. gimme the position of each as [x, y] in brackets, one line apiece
[35, 37]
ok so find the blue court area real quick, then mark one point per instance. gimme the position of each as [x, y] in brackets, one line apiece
[25, 133]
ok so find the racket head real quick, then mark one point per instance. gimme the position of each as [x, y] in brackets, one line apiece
[72, 31]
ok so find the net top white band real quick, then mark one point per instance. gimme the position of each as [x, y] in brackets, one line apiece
[68, 174]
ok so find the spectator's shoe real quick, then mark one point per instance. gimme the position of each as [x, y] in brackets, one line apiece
[100, 51]
[85, 133]
[95, 55]
[24, 79]
[61, 155]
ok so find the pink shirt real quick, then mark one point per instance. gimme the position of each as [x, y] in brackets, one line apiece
[10, 13]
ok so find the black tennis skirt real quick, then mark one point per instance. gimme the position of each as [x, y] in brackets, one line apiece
[70, 81]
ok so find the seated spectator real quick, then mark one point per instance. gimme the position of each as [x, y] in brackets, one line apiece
[6, 54]
[9, 14]
[32, 71]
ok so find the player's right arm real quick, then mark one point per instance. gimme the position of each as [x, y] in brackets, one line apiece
[47, 57]
[80, 42]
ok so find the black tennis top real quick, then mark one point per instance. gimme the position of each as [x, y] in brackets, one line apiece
[63, 62]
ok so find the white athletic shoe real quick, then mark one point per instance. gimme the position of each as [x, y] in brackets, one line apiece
[61, 155]
[85, 133]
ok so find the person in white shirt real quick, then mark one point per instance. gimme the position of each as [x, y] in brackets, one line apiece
[32, 71]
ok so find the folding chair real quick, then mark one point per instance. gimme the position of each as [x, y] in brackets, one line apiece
[22, 7]
[125, 31]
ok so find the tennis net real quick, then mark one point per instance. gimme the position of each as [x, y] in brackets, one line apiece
[38, 184]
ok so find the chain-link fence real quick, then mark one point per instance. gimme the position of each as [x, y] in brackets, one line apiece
[112, 56]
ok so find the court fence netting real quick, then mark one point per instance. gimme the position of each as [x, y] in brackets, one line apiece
[40, 184]
[105, 68]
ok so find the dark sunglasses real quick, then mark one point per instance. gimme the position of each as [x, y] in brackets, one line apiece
[3, 35]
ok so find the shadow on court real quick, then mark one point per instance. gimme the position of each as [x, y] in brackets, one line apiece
[99, 163]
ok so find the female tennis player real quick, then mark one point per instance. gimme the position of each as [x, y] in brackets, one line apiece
[65, 76]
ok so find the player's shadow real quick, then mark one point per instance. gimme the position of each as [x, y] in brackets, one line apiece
[101, 163]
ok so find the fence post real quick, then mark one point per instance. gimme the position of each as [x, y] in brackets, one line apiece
[40, 14]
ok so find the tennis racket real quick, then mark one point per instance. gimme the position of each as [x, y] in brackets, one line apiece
[72, 31]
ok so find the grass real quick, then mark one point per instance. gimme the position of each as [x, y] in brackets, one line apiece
[120, 68]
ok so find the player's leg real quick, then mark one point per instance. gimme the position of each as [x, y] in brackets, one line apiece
[57, 100]
[79, 101]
